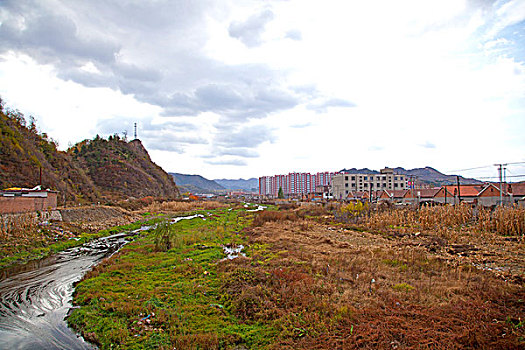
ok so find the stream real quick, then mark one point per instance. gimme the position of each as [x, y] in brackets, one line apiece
[36, 298]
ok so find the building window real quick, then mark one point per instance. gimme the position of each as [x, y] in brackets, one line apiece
[366, 178]
[353, 178]
[346, 178]
[395, 185]
[353, 185]
[366, 185]
[346, 185]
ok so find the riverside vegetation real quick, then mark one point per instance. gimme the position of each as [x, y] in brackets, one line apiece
[435, 278]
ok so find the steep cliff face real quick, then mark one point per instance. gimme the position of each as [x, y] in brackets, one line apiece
[91, 171]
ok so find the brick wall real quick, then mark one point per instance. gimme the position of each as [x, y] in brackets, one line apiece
[27, 204]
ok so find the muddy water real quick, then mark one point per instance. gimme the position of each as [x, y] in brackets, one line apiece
[35, 299]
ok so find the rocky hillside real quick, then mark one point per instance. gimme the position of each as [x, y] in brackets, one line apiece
[122, 169]
[91, 171]
[25, 154]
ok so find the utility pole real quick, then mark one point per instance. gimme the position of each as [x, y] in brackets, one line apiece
[500, 171]
[459, 191]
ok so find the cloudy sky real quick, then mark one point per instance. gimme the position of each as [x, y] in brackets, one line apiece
[230, 89]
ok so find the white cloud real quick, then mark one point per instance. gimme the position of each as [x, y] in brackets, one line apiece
[244, 89]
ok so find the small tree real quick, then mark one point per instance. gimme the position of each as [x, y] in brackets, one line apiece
[280, 194]
[162, 236]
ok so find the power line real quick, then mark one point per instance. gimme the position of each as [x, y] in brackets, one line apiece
[479, 167]
[485, 166]
[497, 177]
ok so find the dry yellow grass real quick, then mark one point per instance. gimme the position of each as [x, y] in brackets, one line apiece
[172, 207]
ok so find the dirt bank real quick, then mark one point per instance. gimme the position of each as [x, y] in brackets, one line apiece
[95, 218]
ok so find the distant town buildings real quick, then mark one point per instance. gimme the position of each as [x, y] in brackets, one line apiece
[387, 186]
[339, 185]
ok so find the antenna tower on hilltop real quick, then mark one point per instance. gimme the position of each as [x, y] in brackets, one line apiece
[135, 131]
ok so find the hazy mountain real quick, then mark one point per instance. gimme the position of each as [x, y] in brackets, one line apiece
[196, 183]
[239, 184]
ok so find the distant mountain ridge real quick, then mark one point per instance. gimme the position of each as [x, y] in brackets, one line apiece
[196, 184]
[200, 184]
[251, 184]
[426, 175]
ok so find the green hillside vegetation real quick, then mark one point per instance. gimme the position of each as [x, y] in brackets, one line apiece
[90, 171]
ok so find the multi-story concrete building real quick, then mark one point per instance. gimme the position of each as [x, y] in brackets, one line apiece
[343, 184]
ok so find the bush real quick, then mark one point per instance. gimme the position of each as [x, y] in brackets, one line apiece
[275, 216]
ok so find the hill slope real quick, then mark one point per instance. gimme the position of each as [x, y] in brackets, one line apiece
[23, 152]
[93, 170]
[122, 169]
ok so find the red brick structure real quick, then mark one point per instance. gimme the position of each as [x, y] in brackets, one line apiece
[21, 200]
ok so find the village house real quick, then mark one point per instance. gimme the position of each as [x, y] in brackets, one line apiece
[516, 193]
[21, 200]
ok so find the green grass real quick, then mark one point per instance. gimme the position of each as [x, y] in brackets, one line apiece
[179, 289]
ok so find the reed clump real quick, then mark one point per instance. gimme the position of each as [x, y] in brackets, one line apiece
[17, 226]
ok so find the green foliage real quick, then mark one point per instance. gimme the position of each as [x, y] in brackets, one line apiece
[403, 287]
[280, 194]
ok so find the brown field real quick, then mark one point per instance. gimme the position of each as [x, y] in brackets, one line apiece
[375, 282]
